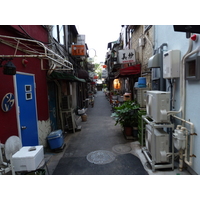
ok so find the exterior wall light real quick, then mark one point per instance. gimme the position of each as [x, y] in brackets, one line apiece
[9, 68]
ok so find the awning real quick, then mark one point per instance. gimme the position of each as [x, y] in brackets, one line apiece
[128, 71]
[83, 74]
[65, 76]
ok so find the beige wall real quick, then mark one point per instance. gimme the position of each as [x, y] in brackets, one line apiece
[143, 53]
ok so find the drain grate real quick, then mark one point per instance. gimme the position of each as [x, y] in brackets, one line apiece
[101, 157]
[121, 148]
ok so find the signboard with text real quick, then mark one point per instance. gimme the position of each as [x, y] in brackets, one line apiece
[126, 56]
[78, 50]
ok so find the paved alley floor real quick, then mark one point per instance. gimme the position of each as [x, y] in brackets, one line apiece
[99, 136]
[100, 148]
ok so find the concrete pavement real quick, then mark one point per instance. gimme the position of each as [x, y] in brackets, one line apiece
[100, 133]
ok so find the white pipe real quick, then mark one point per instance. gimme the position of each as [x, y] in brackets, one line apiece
[182, 78]
[183, 103]
[189, 162]
[182, 86]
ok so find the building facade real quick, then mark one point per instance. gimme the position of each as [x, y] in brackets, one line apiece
[49, 85]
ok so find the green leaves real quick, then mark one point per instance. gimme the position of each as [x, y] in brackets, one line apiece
[126, 114]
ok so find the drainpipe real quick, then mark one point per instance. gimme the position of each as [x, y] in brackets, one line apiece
[162, 81]
[182, 81]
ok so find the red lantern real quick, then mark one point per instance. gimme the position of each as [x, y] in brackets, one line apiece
[104, 66]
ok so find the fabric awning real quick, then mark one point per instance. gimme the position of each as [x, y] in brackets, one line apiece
[66, 76]
[128, 71]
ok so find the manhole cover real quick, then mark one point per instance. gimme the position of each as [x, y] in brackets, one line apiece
[121, 148]
[101, 157]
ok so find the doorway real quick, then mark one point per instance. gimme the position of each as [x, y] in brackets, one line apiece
[27, 109]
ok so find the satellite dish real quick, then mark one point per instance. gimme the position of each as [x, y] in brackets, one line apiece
[12, 145]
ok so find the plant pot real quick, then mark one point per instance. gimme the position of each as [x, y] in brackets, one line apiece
[128, 131]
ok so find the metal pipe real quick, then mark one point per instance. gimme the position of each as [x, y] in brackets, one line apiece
[162, 81]
[45, 54]
[189, 162]
[182, 79]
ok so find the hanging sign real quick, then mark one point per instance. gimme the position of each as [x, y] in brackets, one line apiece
[78, 50]
[126, 56]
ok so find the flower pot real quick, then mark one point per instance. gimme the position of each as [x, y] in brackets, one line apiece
[128, 131]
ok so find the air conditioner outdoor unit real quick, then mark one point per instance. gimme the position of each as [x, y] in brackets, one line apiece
[157, 105]
[157, 143]
[66, 102]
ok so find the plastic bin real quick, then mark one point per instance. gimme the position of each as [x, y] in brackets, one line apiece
[141, 82]
[55, 139]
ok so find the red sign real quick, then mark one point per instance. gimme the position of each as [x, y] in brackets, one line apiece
[78, 50]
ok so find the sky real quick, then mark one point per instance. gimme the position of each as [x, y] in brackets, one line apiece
[97, 36]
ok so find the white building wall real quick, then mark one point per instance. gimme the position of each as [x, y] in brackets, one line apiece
[178, 40]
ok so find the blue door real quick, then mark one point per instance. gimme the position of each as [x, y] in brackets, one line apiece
[27, 109]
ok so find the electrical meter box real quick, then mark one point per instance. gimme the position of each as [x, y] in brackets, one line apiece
[171, 64]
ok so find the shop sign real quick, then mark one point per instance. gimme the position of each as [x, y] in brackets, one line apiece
[126, 56]
[78, 50]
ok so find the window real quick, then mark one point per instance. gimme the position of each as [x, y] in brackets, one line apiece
[28, 92]
[192, 68]
[28, 88]
[61, 34]
[55, 32]
[58, 33]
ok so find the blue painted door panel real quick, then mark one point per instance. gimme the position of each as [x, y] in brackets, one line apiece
[27, 109]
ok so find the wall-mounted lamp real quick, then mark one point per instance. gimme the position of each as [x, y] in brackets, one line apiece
[9, 68]
[116, 84]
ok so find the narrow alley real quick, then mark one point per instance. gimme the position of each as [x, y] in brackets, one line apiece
[82, 155]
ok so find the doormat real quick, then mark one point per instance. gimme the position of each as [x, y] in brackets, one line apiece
[100, 157]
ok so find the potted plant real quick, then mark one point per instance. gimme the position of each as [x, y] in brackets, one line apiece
[127, 116]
